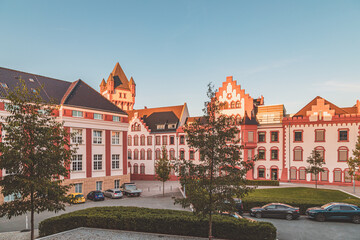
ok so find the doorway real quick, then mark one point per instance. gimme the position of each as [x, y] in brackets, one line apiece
[274, 174]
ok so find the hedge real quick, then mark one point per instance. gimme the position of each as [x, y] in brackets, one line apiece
[157, 221]
[262, 182]
[302, 204]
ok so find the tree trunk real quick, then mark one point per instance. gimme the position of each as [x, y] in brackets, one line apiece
[163, 189]
[210, 226]
[32, 216]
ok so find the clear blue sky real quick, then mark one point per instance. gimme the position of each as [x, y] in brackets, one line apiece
[287, 51]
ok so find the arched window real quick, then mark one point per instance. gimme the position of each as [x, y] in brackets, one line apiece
[274, 151]
[129, 166]
[298, 154]
[302, 173]
[136, 154]
[293, 173]
[129, 140]
[149, 154]
[157, 154]
[136, 168]
[261, 153]
[324, 176]
[142, 154]
[142, 168]
[232, 105]
[182, 154]
[136, 140]
[337, 175]
[321, 151]
[172, 154]
[347, 176]
[129, 154]
[238, 119]
[238, 104]
[261, 172]
[343, 153]
[138, 127]
[142, 140]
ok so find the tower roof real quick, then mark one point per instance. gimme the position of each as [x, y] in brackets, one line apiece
[118, 76]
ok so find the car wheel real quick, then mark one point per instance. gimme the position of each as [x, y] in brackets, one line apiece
[356, 219]
[289, 216]
[258, 215]
[320, 217]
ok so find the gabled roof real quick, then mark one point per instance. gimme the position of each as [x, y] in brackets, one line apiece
[161, 118]
[308, 107]
[119, 78]
[177, 110]
[77, 94]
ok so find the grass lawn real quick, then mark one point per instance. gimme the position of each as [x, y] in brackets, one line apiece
[299, 193]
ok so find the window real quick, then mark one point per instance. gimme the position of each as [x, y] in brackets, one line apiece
[172, 154]
[164, 140]
[160, 126]
[343, 154]
[250, 137]
[115, 138]
[192, 155]
[171, 125]
[149, 140]
[232, 105]
[172, 140]
[136, 154]
[77, 113]
[261, 172]
[347, 208]
[116, 183]
[157, 140]
[136, 169]
[314, 177]
[129, 154]
[237, 104]
[97, 162]
[182, 154]
[149, 154]
[142, 168]
[261, 137]
[4, 85]
[115, 161]
[293, 173]
[274, 136]
[302, 174]
[78, 187]
[343, 135]
[135, 127]
[261, 154]
[321, 151]
[182, 139]
[157, 154]
[124, 95]
[120, 95]
[129, 141]
[76, 162]
[11, 197]
[319, 135]
[98, 116]
[337, 176]
[116, 119]
[97, 137]
[298, 136]
[142, 154]
[77, 136]
[274, 154]
[136, 140]
[99, 185]
[142, 140]
[238, 119]
[324, 176]
[347, 177]
[298, 154]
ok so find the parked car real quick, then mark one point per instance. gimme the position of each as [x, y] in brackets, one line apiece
[96, 196]
[113, 193]
[276, 210]
[238, 205]
[335, 211]
[77, 198]
[130, 189]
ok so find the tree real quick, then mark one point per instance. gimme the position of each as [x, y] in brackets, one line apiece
[354, 163]
[212, 184]
[35, 151]
[315, 161]
[163, 168]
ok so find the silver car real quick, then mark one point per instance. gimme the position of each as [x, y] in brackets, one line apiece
[113, 193]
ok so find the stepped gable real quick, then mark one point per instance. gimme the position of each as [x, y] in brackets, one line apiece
[161, 118]
[77, 94]
[320, 104]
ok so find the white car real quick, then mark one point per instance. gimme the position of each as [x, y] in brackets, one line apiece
[113, 193]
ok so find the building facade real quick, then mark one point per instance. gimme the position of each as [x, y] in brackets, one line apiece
[99, 127]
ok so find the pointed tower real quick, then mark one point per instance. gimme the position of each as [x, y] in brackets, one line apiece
[118, 89]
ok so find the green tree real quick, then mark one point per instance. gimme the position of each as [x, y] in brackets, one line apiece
[316, 162]
[35, 151]
[354, 163]
[212, 184]
[163, 168]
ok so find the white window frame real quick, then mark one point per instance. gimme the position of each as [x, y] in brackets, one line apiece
[97, 161]
[97, 138]
[115, 161]
[98, 116]
[116, 119]
[115, 138]
[77, 137]
[76, 162]
[76, 113]
[78, 187]
[117, 183]
[99, 185]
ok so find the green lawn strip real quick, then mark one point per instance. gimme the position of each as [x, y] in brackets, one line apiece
[301, 197]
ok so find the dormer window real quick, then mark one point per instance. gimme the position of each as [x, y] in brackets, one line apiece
[31, 80]
[4, 85]
[160, 126]
[172, 125]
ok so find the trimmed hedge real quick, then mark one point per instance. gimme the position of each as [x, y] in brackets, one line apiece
[302, 204]
[157, 221]
[262, 182]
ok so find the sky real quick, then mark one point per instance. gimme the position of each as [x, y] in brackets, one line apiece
[288, 51]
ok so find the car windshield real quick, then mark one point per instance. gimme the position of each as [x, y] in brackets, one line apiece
[117, 191]
[326, 205]
[79, 196]
[99, 194]
[131, 187]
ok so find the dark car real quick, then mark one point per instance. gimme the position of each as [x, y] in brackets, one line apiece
[96, 196]
[335, 211]
[276, 210]
[238, 205]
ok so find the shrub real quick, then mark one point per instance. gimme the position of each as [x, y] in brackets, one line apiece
[157, 221]
[262, 182]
